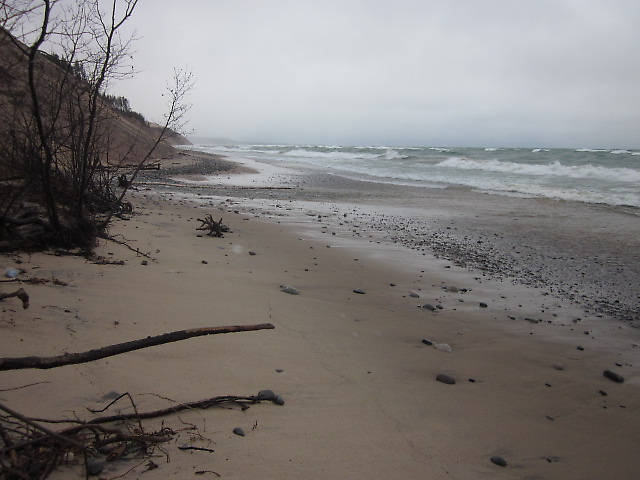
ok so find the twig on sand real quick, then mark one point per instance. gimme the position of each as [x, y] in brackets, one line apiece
[20, 293]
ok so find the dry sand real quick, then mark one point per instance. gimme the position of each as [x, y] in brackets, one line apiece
[362, 400]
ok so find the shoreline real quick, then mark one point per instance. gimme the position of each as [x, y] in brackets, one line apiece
[505, 237]
[359, 383]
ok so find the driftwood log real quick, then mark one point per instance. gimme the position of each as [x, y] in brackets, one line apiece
[17, 363]
[21, 294]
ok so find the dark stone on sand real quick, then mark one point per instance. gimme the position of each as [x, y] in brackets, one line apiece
[439, 307]
[580, 347]
[428, 306]
[426, 341]
[444, 378]
[392, 284]
[204, 262]
[453, 289]
[557, 366]
[472, 380]
[266, 395]
[483, 305]
[144, 262]
[532, 320]
[238, 431]
[603, 393]
[95, 466]
[359, 291]
[289, 290]
[414, 295]
[501, 462]
[278, 400]
[279, 370]
[251, 252]
[110, 395]
[613, 376]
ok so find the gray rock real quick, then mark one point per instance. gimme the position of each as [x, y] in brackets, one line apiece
[428, 306]
[413, 294]
[483, 305]
[501, 462]
[95, 466]
[266, 395]
[278, 400]
[251, 252]
[238, 431]
[531, 320]
[359, 291]
[558, 367]
[444, 378]
[144, 262]
[453, 289]
[613, 376]
[11, 273]
[289, 290]
[426, 341]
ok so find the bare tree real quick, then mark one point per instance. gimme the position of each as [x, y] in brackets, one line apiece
[62, 132]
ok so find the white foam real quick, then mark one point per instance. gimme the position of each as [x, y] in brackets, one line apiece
[555, 169]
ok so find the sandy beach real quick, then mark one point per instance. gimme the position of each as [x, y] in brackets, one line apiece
[350, 353]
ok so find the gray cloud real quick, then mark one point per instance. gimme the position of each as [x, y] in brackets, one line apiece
[556, 73]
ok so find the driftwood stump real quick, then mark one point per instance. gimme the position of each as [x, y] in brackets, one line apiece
[215, 229]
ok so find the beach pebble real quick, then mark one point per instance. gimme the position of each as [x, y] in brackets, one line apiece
[531, 320]
[11, 273]
[428, 306]
[95, 466]
[453, 289]
[289, 290]
[238, 431]
[204, 262]
[444, 378]
[483, 305]
[499, 461]
[443, 347]
[278, 400]
[426, 341]
[557, 366]
[144, 262]
[266, 395]
[360, 291]
[251, 252]
[413, 294]
[613, 376]
[279, 370]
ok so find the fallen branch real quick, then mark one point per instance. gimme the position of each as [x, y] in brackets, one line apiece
[16, 363]
[21, 294]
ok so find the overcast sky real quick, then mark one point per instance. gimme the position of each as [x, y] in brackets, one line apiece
[401, 72]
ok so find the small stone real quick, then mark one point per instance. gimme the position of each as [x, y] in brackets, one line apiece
[603, 393]
[359, 291]
[483, 305]
[531, 320]
[427, 341]
[392, 284]
[11, 273]
[613, 376]
[453, 289]
[289, 290]
[278, 400]
[472, 380]
[252, 253]
[204, 262]
[279, 370]
[238, 431]
[441, 377]
[501, 462]
[413, 294]
[428, 306]
[557, 366]
[443, 347]
[95, 466]
[580, 347]
[266, 395]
